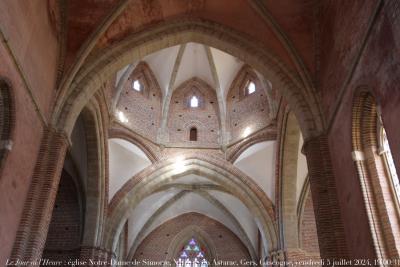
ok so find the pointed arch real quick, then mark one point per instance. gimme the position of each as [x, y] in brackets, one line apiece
[98, 68]
[149, 148]
[97, 172]
[236, 149]
[233, 180]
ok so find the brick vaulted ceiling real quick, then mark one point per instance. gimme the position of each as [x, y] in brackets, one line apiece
[286, 26]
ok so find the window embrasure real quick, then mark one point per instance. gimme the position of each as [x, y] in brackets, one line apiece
[384, 150]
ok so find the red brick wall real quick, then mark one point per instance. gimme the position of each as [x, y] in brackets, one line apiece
[143, 109]
[64, 235]
[343, 27]
[227, 244]
[246, 110]
[28, 29]
[17, 169]
[205, 118]
[308, 234]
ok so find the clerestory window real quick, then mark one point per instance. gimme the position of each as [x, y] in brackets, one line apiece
[194, 102]
[391, 169]
[137, 86]
[251, 88]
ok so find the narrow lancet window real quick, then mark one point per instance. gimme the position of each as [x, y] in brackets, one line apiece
[194, 102]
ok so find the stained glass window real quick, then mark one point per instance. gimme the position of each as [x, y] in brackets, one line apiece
[192, 255]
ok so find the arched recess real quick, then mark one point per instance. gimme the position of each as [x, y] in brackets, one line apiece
[6, 120]
[377, 188]
[166, 172]
[103, 66]
[65, 230]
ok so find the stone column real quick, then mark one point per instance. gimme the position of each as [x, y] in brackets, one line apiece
[330, 228]
[34, 224]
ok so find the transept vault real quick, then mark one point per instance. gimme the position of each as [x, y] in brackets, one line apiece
[196, 133]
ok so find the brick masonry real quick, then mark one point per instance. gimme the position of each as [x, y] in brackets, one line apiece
[142, 109]
[205, 118]
[354, 44]
[64, 236]
[227, 244]
[243, 110]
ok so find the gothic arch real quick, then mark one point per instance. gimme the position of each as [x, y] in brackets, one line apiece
[98, 68]
[236, 149]
[155, 177]
[97, 172]
[289, 143]
[200, 190]
[130, 137]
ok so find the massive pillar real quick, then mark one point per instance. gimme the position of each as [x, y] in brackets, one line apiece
[34, 225]
[325, 198]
